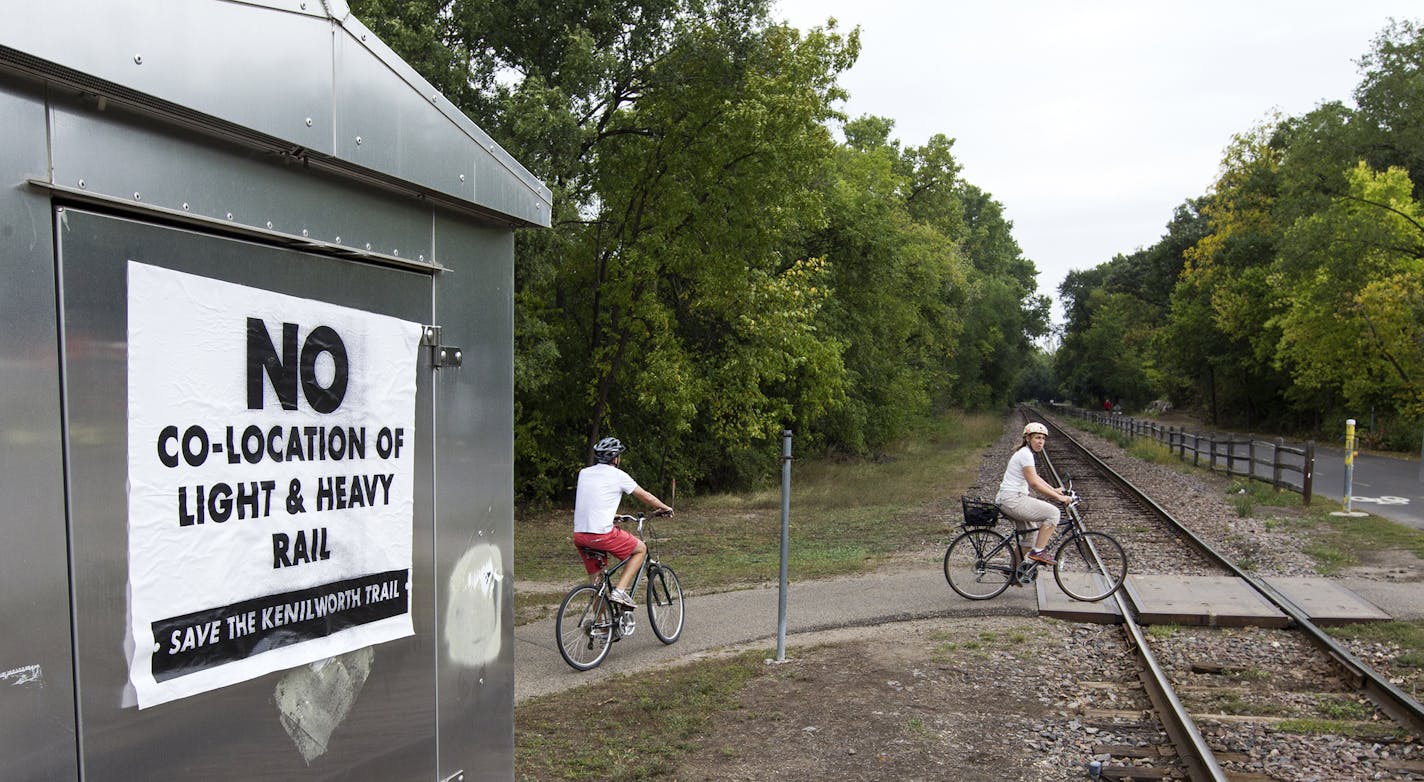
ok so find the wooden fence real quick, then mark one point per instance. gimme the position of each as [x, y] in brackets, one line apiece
[1268, 461]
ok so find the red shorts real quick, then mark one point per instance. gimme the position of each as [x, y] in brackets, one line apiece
[620, 543]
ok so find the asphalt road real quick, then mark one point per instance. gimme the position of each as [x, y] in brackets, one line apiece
[1381, 485]
[1391, 487]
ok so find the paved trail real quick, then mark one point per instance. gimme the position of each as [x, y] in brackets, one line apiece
[895, 594]
[731, 618]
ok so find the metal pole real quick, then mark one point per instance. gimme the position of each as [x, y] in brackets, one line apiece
[1349, 459]
[785, 542]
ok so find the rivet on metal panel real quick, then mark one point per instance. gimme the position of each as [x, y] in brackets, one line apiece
[138, 196]
[395, 252]
[358, 141]
[269, 225]
[304, 232]
[338, 240]
[422, 256]
[462, 177]
[309, 121]
[138, 59]
[368, 246]
[81, 184]
[229, 215]
[186, 208]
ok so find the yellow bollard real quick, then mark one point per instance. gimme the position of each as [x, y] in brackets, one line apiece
[1349, 469]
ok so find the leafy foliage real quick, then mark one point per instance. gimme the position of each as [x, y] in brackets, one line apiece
[720, 266]
[1298, 298]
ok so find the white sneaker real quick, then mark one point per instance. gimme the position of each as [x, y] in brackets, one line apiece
[619, 596]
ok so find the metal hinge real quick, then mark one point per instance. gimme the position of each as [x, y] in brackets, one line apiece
[440, 355]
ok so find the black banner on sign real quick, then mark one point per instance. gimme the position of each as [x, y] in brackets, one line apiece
[216, 636]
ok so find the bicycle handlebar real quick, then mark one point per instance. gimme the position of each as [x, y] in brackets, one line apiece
[641, 517]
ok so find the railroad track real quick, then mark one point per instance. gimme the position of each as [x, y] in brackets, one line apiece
[1259, 693]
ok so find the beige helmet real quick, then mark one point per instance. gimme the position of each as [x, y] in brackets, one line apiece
[1035, 428]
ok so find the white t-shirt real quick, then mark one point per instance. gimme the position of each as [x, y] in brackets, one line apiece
[600, 488]
[1014, 481]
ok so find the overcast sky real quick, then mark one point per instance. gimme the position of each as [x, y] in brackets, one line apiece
[1091, 121]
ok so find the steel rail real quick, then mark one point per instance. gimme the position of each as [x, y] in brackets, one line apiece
[1390, 699]
[1192, 749]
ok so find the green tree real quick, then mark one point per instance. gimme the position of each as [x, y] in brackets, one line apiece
[1227, 274]
[719, 267]
[1002, 312]
[1390, 97]
[1351, 274]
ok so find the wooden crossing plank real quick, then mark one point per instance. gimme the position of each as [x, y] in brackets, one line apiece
[1326, 601]
[1215, 601]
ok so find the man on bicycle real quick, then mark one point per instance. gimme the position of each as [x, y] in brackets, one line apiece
[601, 487]
[1016, 500]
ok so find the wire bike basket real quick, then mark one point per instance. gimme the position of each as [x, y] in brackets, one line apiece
[978, 513]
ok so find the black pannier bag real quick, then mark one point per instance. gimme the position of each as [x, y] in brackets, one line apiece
[978, 513]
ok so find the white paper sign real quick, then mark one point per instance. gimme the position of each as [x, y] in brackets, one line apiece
[270, 464]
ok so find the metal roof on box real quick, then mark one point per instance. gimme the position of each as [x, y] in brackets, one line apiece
[300, 76]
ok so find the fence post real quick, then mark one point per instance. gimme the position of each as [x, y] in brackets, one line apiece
[1196, 449]
[1308, 473]
[1276, 464]
[1251, 457]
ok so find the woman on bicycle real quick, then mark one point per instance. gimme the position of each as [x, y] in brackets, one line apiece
[601, 487]
[1015, 496]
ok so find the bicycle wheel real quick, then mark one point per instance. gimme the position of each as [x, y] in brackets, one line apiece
[583, 627]
[665, 603]
[1077, 571]
[978, 564]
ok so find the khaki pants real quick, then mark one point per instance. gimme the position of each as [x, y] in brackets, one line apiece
[1029, 512]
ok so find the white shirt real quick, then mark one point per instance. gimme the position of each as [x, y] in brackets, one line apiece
[600, 488]
[1014, 481]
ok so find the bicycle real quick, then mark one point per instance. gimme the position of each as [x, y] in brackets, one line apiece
[590, 622]
[981, 562]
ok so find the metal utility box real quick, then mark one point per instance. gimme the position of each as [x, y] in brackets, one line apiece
[256, 401]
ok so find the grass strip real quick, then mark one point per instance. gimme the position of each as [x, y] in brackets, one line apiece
[655, 717]
[847, 516]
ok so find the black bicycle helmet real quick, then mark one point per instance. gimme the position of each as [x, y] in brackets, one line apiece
[607, 450]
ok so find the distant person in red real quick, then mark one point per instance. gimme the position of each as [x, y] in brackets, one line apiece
[1107, 406]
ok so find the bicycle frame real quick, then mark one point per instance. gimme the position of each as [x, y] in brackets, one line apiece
[606, 573]
[1081, 560]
